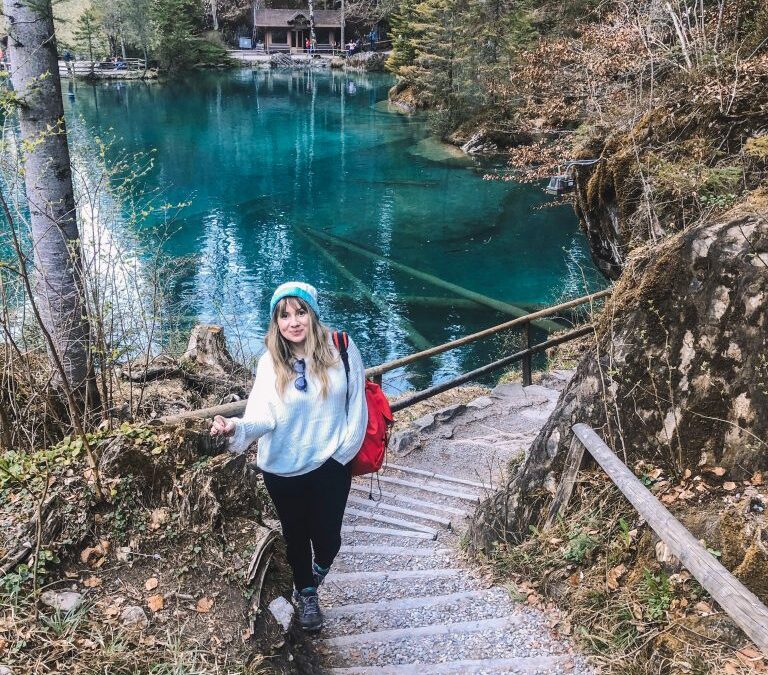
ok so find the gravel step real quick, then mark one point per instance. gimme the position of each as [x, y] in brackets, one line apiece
[535, 665]
[520, 636]
[390, 520]
[413, 632]
[362, 549]
[391, 508]
[383, 576]
[445, 489]
[405, 499]
[404, 604]
[416, 559]
[413, 612]
[370, 534]
[445, 478]
[378, 585]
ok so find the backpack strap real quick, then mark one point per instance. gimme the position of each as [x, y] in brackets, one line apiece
[341, 342]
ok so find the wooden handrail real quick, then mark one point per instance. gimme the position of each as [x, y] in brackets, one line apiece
[743, 606]
[237, 408]
[490, 367]
[518, 321]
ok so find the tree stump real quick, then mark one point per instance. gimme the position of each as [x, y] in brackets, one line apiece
[207, 351]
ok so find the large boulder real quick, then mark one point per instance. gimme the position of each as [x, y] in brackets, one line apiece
[369, 61]
[679, 371]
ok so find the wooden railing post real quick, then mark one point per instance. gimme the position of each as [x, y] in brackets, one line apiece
[527, 359]
[743, 606]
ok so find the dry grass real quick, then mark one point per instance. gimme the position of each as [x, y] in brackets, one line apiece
[174, 538]
[633, 614]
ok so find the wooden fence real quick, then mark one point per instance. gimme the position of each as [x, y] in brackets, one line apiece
[83, 68]
[743, 606]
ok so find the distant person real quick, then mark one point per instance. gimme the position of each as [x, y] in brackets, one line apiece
[68, 62]
[119, 63]
[313, 46]
[372, 37]
[306, 44]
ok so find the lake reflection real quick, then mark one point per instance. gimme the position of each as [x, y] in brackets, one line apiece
[260, 155]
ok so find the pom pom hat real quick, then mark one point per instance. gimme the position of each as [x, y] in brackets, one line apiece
[295, 289]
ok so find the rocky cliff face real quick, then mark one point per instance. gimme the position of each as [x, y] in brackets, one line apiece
[679, 372]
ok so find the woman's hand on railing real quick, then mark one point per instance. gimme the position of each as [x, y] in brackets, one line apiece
[222, 426]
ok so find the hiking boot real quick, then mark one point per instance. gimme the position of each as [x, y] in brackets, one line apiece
[319, 573]
[308, 609]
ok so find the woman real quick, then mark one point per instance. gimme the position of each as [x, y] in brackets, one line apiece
[310, 419]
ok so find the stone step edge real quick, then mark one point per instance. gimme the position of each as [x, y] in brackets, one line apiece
[393, 634]
[465, 496]
[439, 476]
[410, 500]
[409, 551]
[407, 524]
[403, 604]
[397, 575]
[381, 506]
[367, 529]
[532, 664]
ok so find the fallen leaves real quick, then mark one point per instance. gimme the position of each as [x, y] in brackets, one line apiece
[95, 556]
[156, 602]
[204, 605]
[729, 486]
[614, 576]
[92, 582]
[151, 584]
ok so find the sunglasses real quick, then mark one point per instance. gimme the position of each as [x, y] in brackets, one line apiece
[299, 367]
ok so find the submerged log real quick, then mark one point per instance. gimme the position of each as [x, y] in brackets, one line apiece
[438, 302]
[498, 305]
[406, 326]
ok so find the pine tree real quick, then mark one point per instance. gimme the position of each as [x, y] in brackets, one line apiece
[437, 61]
[87, 32]
[178, 24]
[493, 32]
[404, 35]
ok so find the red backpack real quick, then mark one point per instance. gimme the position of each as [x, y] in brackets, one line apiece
[370, 457]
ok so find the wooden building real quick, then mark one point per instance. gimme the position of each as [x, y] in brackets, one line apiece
[286, 30]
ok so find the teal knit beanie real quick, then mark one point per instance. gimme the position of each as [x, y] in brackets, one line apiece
[295, 289]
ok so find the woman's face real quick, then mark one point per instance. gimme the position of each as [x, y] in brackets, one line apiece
[293, 322]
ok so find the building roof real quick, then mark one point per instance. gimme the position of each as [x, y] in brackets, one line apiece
[284, 18]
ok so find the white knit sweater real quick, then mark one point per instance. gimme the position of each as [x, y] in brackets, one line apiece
[300, 431]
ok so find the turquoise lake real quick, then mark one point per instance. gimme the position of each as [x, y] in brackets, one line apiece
[259, 156]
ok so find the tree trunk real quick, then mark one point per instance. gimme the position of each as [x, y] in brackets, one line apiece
[215, 14]
[312, 40]
[58, 281]
[207, 351]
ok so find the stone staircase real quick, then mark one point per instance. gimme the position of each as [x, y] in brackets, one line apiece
[400, 598]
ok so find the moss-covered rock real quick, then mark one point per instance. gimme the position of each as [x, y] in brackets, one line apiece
[679, 371]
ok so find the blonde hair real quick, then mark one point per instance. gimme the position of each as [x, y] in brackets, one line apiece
[320, 357]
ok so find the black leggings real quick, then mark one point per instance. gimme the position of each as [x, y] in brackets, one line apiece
[311, 508]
